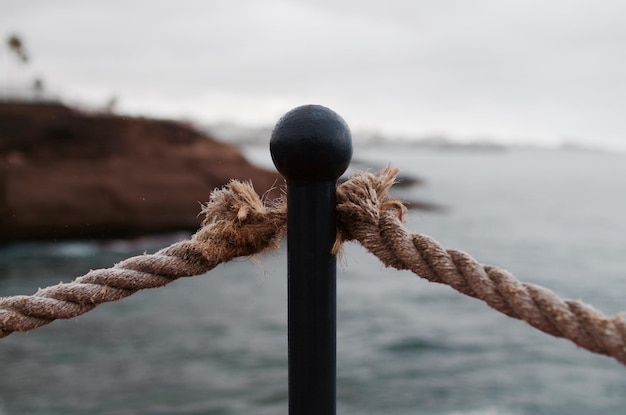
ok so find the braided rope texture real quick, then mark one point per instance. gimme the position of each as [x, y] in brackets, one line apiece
[367, 214]
[237, 223]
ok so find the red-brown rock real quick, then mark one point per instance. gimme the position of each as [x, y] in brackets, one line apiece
[66, 174]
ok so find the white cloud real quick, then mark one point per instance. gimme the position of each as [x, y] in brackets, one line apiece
[477, 67]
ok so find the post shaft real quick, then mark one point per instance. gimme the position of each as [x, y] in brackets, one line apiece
[312, 298]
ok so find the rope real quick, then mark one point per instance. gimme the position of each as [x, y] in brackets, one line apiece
[367, 214]
[238, 224]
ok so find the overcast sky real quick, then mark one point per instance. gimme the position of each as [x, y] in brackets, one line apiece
[523, 71]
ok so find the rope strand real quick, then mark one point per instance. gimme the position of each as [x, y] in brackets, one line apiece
[538, 306]
[236, 224]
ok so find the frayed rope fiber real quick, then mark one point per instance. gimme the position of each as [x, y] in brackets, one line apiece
[237, 223]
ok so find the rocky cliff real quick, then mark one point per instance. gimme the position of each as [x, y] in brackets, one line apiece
[66, 174]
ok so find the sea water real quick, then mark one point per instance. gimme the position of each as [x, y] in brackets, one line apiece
[217, 344]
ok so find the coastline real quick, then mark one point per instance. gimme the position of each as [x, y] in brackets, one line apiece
[65, 174]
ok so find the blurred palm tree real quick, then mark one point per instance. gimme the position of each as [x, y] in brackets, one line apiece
[17, 47]
[38, 88]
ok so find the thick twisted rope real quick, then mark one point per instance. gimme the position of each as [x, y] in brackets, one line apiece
[238, 224]
[367, 214]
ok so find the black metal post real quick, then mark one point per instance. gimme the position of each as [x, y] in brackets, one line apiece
[311, 147]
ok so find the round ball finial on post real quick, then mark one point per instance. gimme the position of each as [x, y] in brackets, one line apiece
[311, 143]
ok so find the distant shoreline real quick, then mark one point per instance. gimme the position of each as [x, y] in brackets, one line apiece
[65, 174]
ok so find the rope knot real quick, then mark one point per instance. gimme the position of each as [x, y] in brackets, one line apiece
[364, 199]
[238, 223]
